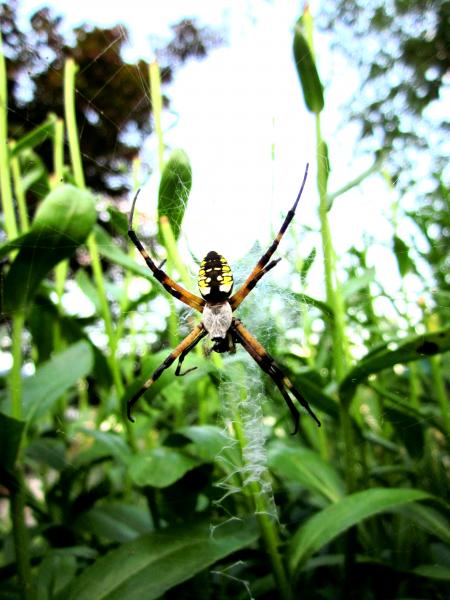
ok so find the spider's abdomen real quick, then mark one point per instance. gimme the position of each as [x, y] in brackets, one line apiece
[215, 279]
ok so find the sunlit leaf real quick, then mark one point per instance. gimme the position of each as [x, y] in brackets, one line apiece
[412, 348]
[174, 189]
[109, 249]
[404, 262]
[307, 70]
[62, 222]
[53, 378]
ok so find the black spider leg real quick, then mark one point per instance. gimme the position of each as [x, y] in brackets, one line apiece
[259, 269]
[180, 351]
[176, 290]
[185, 352]
[269, 366]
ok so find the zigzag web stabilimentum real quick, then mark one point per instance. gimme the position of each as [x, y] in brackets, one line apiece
[242, 397]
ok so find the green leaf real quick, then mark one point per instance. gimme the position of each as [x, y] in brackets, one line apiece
[119, 220]
[330, 522]
[53, 378]
[34, 175]
[307, 71]
[319, 304]
[323, 172]
[62, 222]
[107, 444]
[409, 429]
[115, 522]
[428, 519]
[47, 451]
[35, 137]
[307, 468]
[439, 572]
[174, 189]
[109, 249]
[315, 395]
[160, 467]
[354, 285]
[412, 348]
[154, 563]
[54, 573]
[307, 264]
[404, 262]
[209, 441]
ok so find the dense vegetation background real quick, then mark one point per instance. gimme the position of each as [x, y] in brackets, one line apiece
[207, 495]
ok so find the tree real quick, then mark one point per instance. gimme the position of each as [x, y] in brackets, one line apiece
[113, 108]
[404, 65]
[406, 57]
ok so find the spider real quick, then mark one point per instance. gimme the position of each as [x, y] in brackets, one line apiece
[217, 305]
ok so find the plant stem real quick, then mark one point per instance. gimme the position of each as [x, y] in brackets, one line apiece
[15, 381]
[75, 155]
[255, 493]
[20, 193]
[17, 498]
[5, 176]
[157, 104]
[20, 535]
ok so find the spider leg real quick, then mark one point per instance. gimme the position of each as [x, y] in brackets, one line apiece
[259, 269]
[167, 282]
[245, 290]
[267, 364]
[180, 351]
[186, 351]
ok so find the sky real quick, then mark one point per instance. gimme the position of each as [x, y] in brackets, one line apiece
[240, 116]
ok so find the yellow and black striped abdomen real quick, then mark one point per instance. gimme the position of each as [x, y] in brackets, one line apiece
[215, 279]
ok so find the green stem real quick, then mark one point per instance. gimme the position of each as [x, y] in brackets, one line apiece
[20, 536]
[17, 499]
[71, 122]
[254, 492]
[58, 153]
[75, 155]
[157, 104]
[20, 193]
[18, 321]
[334, 298]
[5, 177]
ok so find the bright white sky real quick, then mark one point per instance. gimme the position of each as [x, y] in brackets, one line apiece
[231, 107]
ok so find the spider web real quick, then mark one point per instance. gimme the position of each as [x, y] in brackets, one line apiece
[261, 313]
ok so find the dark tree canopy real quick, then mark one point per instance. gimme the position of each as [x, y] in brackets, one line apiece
[112, 104]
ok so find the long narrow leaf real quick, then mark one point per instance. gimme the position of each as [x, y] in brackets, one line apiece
[414, 348]
[154, 563]
[326, 525]
[53, 378]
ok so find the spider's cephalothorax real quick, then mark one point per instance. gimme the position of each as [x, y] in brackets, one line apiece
[215, 282]
[215, 279]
